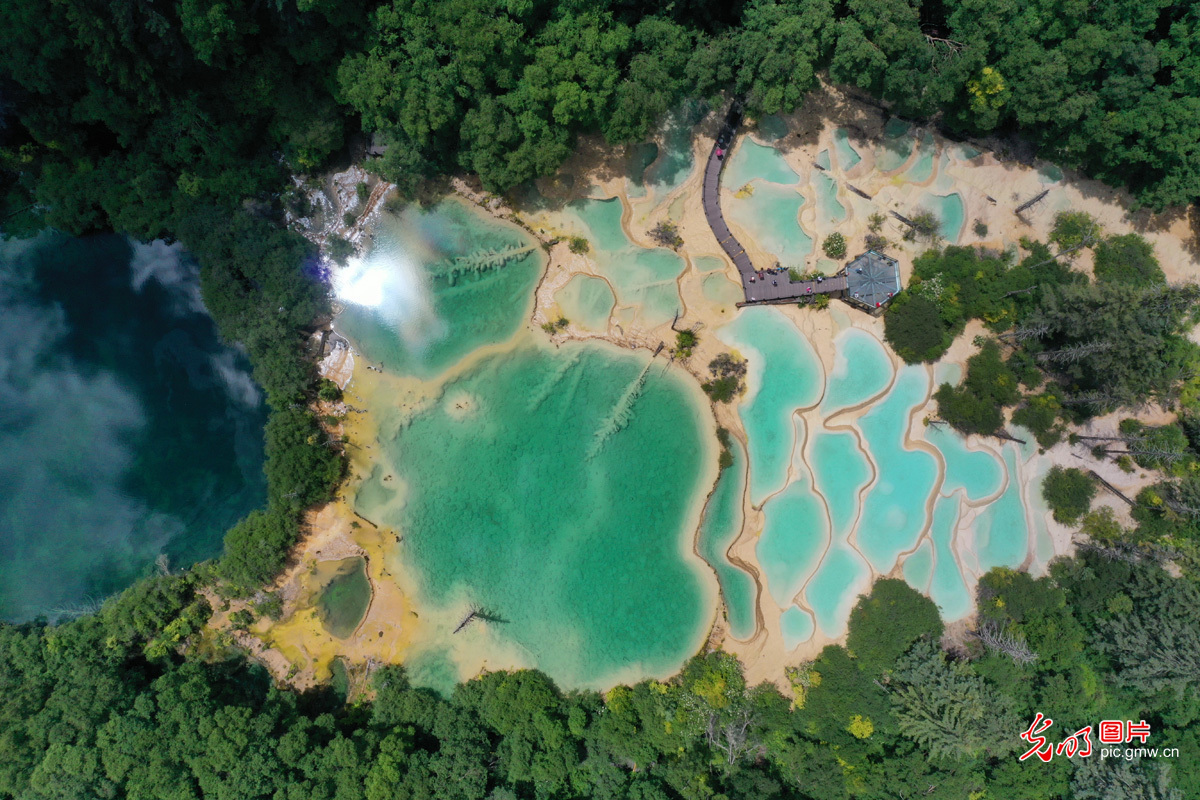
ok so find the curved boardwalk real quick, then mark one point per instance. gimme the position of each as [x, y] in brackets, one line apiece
[771, 288]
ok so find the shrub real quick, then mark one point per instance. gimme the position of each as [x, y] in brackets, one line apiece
[727, 374]
[684, 342]
[875, 222]
[667, 234]
[339, 249]
[329, 391]
[1040, 415]
[834, 245]
[1069, 493]
[271, 606]
[977, 405]
[1127, 259]
[256, 549]
[1074, 229]
[914, 329]
[578, 245]
[876, 242]
[925, 223]
[349, 218]
[1026, 369]
[980, 228]
[362, 191]
[885, 623]
[1102, 525]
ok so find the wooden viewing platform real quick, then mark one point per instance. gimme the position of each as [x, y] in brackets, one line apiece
[768, 288]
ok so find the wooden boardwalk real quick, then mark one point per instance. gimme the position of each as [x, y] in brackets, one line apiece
[757, 286]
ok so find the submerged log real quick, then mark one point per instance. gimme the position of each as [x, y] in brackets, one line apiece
[1029, 203]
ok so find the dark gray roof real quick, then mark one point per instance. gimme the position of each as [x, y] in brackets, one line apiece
[872, 279]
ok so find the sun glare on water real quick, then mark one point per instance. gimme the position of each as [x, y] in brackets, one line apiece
[392, 284]
[361, 282]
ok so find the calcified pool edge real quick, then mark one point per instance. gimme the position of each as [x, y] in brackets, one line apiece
[974, 177]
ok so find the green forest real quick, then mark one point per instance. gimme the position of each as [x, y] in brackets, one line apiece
[105, 707]
[187, 121]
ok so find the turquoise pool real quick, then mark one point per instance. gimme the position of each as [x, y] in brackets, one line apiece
[846, 154]
[978, 473]
[753, 161]
[841, 472]
[793, 539]
[834, 590]
[586, 301]
[721, 524]
[870, 374]
[893, 513]
[947, 588]
[896, 147]
[951, 213]
[918, 567]
[771, 216]
[829, 208]
[796, 625]
[644, 279]
[1001, 532]
[784, 375]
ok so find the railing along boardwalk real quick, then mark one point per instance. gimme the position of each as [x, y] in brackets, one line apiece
[769, 288]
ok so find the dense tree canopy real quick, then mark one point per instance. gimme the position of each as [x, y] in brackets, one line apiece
[99, 708]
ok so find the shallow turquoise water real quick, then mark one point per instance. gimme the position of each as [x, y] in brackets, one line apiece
[978, 473]
[835, 588]
[823, 159]
[675, 157]
[1050, 174]
[947, 588]
[829, 207]
[586, 301]
[846, 154]
[547, 472]
[708, 263]
[753, 161]
[861, 370]
[719, 289]
[721, 524]
[947, 372]
[896, 147]
[794, 536]
[796, 625]
[922, 168]
[433, 668]
[772, 127]
[785, 369]
[1040, 512]
[1001, 532]
[344, 600]
[951, 213]
[894, 511]
[602, 220]
[966, 152]
[127, 428]
[641, 277]
[918, 567]
[841, 471]
[771, 217]
[404, 308]
[641, 156]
